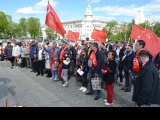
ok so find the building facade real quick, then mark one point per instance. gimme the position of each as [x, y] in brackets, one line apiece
[43, 28]
[85, 26]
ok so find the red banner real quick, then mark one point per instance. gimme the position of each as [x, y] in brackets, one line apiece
[99, 35]
[152, 42]
[72, 35]
[136, 32]
[53, 21]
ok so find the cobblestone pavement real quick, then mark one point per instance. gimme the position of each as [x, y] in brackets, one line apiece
[23, 88]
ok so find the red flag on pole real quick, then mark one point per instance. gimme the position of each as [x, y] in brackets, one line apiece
[53, 21]
[72, 35]
[99, 35]
[152, 42]
[136, 32]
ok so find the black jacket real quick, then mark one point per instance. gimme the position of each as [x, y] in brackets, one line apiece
[110, 47]
[128, 62]
[8, 51]
[146, 87]
[100, 61]
[110, 66]
[73, 52]
[84, 63]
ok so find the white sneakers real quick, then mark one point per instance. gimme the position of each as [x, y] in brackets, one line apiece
[65, 84]
[83, 89]
[55, 79]
[106, 103]
[105, 100]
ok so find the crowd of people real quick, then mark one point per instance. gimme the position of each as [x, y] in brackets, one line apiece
[111, 63]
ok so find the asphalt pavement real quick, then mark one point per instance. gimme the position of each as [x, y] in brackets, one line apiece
[23, 88]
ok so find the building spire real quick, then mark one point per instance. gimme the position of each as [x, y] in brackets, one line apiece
[88, 13]
[89, 1]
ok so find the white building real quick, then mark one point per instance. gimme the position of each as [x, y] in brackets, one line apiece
[139, 17]
[85, 26]
[43, 28]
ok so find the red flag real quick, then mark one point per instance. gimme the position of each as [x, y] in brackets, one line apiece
[152, 42]
[94, 34]
[136, 32]
[53, 21]
[72, 35]
[99, 35]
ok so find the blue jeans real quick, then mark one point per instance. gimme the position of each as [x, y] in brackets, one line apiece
[98, 94]
[54, 74]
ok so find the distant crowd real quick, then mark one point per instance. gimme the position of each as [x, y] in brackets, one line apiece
[126, 64]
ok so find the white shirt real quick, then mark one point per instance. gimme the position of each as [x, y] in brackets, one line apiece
[40, 55]
[16, 51]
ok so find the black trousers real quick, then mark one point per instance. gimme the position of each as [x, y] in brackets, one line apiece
[11, 60]
[33, 65]
[23, 64]
[40, 67]
[84, 79]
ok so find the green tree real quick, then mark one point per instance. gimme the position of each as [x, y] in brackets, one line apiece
[16, 31]
[50, 33]
[23, 27]
[13, 30]
[146, 25]
[3, 24]
[156, 29]
[34, 27]
[9, 18]
[110, 26]
[123, 29]
[129, 28]
[117, 37]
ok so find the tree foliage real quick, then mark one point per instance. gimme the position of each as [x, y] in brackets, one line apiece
[156, 29]
[3, 24]
[50, 33]
[146, 24]
[23, 27]
[34, 27]
[109, 27]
